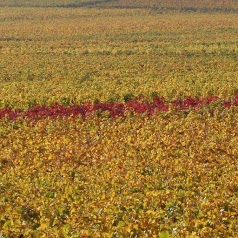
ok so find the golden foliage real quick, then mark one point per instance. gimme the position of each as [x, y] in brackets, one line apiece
[173, 174]
[163, 176]
[79, 55]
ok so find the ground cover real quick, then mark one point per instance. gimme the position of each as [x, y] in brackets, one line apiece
[117, 109]
[119, 120]
[85, 55]
[170, 175]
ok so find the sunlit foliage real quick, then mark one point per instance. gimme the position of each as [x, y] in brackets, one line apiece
[171, 174]
[118, 121]
[80, 55]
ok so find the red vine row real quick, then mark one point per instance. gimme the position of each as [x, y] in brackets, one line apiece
[115, 109]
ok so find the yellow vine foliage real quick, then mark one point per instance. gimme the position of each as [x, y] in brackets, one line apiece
[171, 174]
[79, 55]
[164, 176]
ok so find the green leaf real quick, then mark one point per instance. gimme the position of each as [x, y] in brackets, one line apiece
[164, 234]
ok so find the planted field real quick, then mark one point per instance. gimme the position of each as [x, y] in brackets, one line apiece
[118, 121]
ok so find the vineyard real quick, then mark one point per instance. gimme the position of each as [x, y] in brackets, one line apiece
[118, 118]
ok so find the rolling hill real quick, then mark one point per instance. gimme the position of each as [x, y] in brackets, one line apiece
[161, 5]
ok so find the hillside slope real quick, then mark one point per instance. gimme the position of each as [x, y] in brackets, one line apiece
[171, 5]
